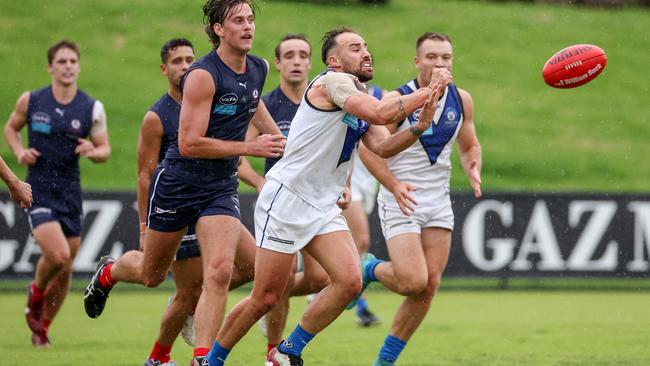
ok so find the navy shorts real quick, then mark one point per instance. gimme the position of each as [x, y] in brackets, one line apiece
[175, 204]
[63, 207]
[189, 246]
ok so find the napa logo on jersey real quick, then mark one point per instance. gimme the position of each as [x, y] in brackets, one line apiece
[40, 122]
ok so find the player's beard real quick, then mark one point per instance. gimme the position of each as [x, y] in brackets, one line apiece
[363, 76]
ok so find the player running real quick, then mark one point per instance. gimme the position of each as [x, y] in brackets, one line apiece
[63, 123]
[414, 204]
[297, 206]
[158, 132]
[197, 180]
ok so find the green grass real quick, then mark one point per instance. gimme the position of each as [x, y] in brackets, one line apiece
[593, 138]
[463, 328]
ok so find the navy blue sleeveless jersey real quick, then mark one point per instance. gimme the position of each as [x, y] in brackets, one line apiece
[442, 131]
[282, 109]
[53, 130]
[169, 111]
[234, 103]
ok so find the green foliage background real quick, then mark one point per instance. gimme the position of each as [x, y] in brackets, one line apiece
[593, 138]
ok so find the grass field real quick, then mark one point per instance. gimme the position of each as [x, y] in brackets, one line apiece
[464, 328]
[593, 138]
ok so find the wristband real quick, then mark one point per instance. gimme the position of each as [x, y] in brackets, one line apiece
[416, 131]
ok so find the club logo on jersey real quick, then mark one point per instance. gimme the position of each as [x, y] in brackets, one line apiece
[40, 122]
[229, 99]
[451, 114]
[256, 94]
[76, 124]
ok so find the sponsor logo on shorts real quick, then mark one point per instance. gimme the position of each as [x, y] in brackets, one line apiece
[159, 210]
[40, 210]
[281, 241]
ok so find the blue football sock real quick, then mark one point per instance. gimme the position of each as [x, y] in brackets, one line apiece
[217, 355]
[370, 270]
[362, 306]
[392, 348]
[298, 339]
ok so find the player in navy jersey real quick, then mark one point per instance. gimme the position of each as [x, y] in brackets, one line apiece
[414, 203]
[19, 191]
[197, 180]
[158, 132]
[64, 123]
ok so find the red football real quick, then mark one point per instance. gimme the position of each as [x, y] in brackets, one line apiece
[574, 66]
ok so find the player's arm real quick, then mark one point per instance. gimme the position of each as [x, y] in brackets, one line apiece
[149, 143]
[249, 176]
[195, 114]
[380, 141]
[96, 149]
[12, 128]
[263, 121]
[19, 191]
[470, 148]
[378, 168]
[391, 109]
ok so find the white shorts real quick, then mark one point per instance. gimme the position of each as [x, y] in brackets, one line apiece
[367, 194]
[433, 210]
[286, 223]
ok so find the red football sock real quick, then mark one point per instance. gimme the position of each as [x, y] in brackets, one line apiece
[160, 352]
[105, 277]
[269, 347]
[37, 293]
[46, 324]
[201, 352]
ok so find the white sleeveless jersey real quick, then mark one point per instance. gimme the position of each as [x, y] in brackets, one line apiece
[426, 164]
[317, 157]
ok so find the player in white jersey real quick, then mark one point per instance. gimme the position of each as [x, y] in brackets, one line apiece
[297, 206]
[414, 204]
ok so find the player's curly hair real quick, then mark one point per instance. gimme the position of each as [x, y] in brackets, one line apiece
[65, 43]
[329, 40]
[217, 11]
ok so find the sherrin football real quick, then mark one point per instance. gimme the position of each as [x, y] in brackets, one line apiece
[574, 66]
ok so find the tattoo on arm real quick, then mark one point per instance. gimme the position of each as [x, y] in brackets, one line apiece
[401, 107]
